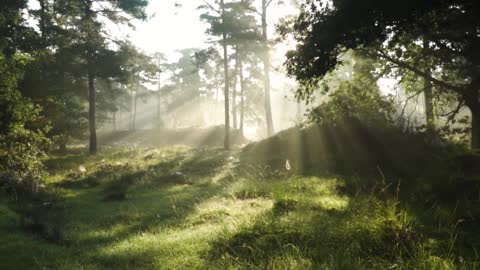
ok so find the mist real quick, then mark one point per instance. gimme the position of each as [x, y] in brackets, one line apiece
[239, 134]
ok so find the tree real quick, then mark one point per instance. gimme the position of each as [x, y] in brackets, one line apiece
[265, 4]
[219, 25]
[92, 41]
[352, 94]
[187, 86]
[266, 68]
[21, 141]
[211, 64]
[52, 79]
[325, 30]
[241, 29]
[161, 61]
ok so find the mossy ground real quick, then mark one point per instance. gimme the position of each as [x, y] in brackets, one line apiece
[182, 208]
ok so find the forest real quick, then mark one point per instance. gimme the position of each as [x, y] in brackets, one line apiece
[240, 134]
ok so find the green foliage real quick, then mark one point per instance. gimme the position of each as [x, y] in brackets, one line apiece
[326, 30]
[21, 147]
[352, 93]
[351, 102]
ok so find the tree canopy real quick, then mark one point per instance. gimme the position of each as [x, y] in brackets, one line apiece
[326, 30]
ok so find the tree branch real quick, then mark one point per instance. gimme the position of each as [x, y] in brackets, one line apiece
[415, 70]
[254, 10]
[211, 7]
[451, 115]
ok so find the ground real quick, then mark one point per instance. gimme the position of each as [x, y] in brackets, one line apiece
[184, 208]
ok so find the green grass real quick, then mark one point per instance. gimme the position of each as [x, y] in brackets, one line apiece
[217, 217]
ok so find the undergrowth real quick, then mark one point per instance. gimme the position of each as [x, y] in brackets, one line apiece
[180, 208]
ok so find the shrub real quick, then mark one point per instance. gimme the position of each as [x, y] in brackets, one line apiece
[21, 142]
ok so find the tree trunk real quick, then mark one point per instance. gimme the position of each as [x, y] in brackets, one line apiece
[266, 69]
[43, 19]
[134, 110]
[234, 92]
[242, 96]
[131, 108]
[91, 80]
[62, 146]
[62, 143]
[158, 101]
[91, 110]
[428, 96]
[158, 109]
[475, 133]
[225, 69]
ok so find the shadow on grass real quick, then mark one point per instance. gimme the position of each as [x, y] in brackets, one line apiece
[296, 234]
[150, 198]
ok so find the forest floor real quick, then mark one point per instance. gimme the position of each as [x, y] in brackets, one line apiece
[184, 208]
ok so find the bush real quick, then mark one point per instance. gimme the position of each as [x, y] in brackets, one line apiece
[349, 103]
[21, 142]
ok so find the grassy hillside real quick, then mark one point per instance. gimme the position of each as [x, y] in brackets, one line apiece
[182, 208]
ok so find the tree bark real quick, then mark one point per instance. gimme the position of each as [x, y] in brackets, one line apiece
[135, 100]
[43, 19]
[242, 95]
[216, 102]
[475, 133]
[428, 96]
[158, 101]
[225, 69]
[91, 80]
[234, 92]
[266, 70]
[131, 108]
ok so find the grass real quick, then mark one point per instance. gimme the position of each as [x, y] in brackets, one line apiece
[129, 209]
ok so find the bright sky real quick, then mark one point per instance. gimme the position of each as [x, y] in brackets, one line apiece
[170, 28]
[173, 28]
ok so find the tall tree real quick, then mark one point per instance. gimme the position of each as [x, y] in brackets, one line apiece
[160, 59]
[21, 138]
[266, 68]
[91, 29]
[219, 26]
[245, 39]
[138, 70]
[51, 79]
[226, 144]
[428, 96]
[324, 30]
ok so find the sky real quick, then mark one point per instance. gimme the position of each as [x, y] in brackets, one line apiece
[171, 28]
